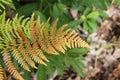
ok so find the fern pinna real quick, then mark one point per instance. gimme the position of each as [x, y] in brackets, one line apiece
[26, 40]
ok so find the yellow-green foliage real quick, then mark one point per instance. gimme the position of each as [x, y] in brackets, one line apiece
[27, 39]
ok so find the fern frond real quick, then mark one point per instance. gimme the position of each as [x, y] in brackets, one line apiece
[10, 65]
[46, 39]
[1, 73]
[26, 40]
[56, 39]
[18, 57]
[1, 6]
[32, 29]
[32, 52]
[38, 51]
[26, 56]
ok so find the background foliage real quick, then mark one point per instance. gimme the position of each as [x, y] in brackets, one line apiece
[90, 14]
